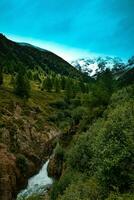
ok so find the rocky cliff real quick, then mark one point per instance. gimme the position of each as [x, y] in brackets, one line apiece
[23, 146]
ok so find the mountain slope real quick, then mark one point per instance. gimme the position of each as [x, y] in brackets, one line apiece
[12, 54]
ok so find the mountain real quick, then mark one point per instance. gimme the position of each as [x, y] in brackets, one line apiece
[88, 127]
[13, 54]
[91, 66]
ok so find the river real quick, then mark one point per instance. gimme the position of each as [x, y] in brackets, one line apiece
[37, 184]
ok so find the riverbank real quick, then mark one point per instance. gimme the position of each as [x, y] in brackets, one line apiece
[38, 184]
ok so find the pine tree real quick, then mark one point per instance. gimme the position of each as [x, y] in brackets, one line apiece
[30, 75]
[22, 84]
[12, 80]
[63, 83]
[82, 87]
[57, 85]
[1, 76]
[68, 90]
[47, 84]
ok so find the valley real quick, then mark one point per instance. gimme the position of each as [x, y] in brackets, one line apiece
[82, 124]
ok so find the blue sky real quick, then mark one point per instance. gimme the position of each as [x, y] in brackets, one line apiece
[72, 28]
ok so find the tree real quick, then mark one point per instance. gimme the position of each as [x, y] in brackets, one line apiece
[1, 76]
[22, 84]
[57, 85]
[68, 90]
[82, 87]
[63, 83]
[30, 75]
[47, 84]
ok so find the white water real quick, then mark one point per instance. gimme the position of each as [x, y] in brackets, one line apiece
[37, 184]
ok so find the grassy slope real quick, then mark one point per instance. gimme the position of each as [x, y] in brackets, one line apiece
[41, 99]
[35, 113]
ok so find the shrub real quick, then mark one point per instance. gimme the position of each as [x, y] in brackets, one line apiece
[60, 186]
[82, 190]
[59, 104]
[59, 152]
[112, 144]
[79, 156]
[78, 113]
[120, 197]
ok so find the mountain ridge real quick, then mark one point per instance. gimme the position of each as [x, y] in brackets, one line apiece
[13, 53]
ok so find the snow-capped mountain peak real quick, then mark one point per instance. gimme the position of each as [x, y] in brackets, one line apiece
[91, 66]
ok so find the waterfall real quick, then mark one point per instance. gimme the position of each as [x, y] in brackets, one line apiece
[37, 184]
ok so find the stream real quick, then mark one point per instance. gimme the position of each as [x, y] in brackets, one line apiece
[38, 184]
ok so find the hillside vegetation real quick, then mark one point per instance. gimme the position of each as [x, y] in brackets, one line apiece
[13, 54]
[91, 120]
[99, 162]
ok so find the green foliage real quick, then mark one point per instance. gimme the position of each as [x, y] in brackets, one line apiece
[113, 144]
[105, 152]
[57, 86]
[12, 54]
[82, 190]
[1, 76]
[59, 152]
[47, 84]
[60, 186]
[68, 90]
[60, 104]
[79, 156]
[78, 113]
[12, 80]
[120, 196]
[22, 86]
[30, 75]
[63, 83]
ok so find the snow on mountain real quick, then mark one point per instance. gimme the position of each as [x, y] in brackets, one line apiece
[93, 65]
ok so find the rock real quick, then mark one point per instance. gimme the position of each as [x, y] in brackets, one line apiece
[55, 167]
[8, 174]
[19, 135]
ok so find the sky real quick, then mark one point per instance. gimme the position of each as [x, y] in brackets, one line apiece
[71, 28]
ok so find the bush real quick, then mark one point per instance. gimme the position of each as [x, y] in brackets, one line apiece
[112, 144]
[120, 197]
[61, 185]
[79, 156]
[59, 152]
[59, 104]
[82, 190]
[78, 113]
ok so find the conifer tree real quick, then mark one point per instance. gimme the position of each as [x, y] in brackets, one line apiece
[68, 90]
[22, 84]
[1, 76]
[63, 83]
[57, 85]
[47, 84]
[30, 75]
[82, 87]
